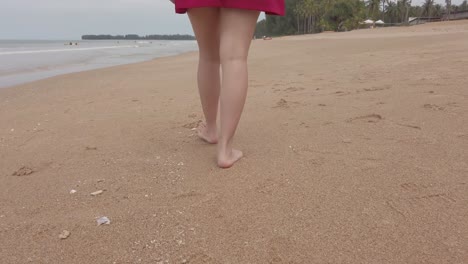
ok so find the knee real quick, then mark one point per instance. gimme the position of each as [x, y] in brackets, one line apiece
[211, 57]
[232, 49]
[229, 55]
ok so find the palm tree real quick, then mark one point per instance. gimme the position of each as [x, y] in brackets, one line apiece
[428, 7]
[383, 9]
[305, 12]
[464, 5]
[438, 10]
[310, 7]
[407, 5]
[373, 8]
[299, 12]
[449, 8]
[392, 12]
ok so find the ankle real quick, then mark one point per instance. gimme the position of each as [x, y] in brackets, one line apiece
[224, 149]
[211, 127]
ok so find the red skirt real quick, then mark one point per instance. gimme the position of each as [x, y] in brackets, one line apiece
[271, 7]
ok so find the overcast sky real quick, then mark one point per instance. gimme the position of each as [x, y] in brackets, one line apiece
[69, 19]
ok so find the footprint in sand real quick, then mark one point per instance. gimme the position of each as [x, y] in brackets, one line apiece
[276, 90]
[452, 104]
[294, 89]
[91, 148]
[417, 203]
[23, 171]
[380, 88]
[188, 195]
[282, 104]
[414, 187]
[428, 188]
[372, 118]
[433, 107]
[410, 126]
[342, 93]
[417, 198]
[192, 125]
[268, 186]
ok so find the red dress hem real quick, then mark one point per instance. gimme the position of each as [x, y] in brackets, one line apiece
[271, 7]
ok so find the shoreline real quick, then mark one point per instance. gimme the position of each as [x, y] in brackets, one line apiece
[92, 69]
[22, 76]
[410, 31]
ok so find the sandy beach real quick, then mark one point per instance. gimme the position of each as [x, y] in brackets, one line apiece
[356, 150]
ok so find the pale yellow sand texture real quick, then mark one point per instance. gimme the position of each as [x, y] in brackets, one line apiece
[356, 152]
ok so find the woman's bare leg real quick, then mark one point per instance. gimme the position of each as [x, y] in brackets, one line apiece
[205, 23]
[237, 28]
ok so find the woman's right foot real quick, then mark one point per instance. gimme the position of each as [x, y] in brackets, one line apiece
[226, 161]
[209, 136]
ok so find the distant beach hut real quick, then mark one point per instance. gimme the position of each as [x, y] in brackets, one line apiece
[369, 23]
[379, 23]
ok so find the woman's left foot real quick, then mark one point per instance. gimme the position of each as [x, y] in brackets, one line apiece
[226, 161]
[209, 136]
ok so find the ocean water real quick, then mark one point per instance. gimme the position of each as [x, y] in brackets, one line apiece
[30, 60]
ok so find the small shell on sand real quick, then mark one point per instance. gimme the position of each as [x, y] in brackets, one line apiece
[65, 234]
[103, 221]
[96, 193]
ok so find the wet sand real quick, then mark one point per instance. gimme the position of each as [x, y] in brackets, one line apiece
[356, 151]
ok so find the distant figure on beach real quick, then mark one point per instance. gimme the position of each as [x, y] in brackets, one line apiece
[224, 31]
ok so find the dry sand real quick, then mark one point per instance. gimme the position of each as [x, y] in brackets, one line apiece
[356, 152]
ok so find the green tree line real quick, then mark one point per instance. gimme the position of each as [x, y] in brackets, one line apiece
[313, 16]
